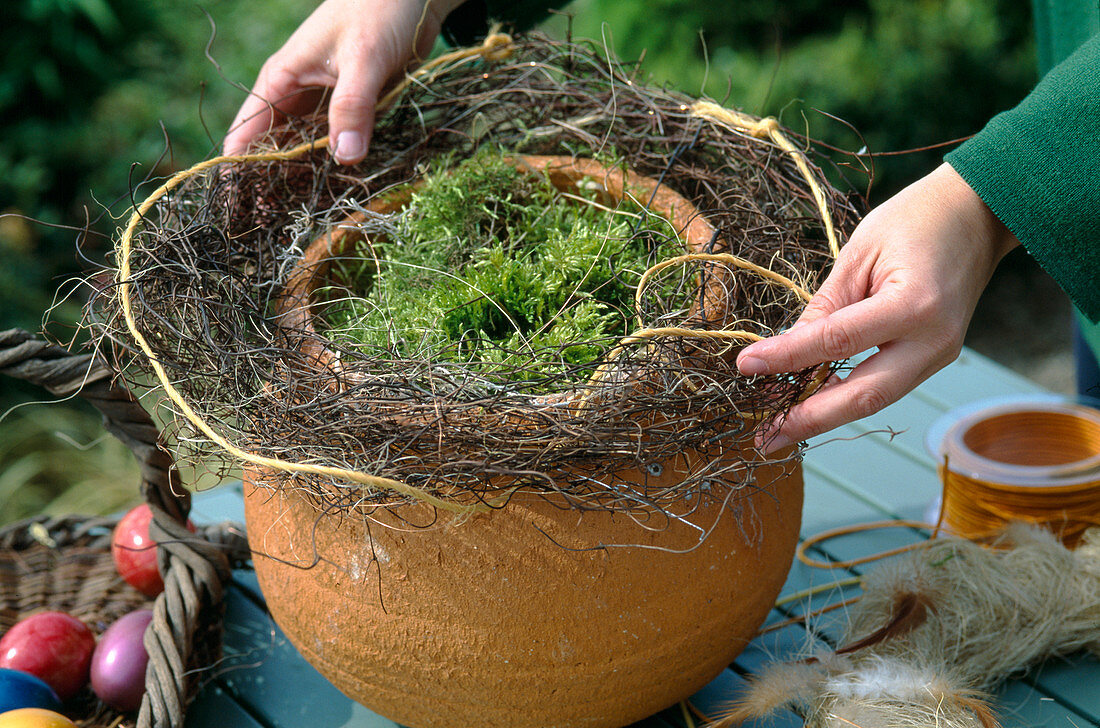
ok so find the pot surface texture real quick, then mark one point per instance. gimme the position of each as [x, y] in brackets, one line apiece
[531, 615]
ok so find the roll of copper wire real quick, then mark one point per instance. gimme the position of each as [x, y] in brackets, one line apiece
[1037, 462]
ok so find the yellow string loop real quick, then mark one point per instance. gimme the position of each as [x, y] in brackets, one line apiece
[768, 128]
[726, 259]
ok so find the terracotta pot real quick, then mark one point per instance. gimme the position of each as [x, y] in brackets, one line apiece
[516, 617]
[533, 614]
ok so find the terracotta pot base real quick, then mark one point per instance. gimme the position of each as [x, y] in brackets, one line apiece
[516, 617]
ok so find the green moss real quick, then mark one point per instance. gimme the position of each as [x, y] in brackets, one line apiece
[495, 269]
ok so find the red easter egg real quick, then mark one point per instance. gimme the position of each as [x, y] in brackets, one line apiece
[135, 554]
[52, 646]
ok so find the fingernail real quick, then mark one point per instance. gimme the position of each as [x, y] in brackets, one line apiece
[751, 366]
[350, 147]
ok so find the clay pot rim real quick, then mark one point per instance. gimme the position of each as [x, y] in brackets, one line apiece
[294, 307]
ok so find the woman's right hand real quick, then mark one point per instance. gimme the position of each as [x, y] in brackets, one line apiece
[351, 47]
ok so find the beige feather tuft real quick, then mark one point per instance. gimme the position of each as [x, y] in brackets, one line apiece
[780, 685]
[929, 636]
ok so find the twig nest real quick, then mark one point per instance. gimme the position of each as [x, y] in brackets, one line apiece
[208, 258]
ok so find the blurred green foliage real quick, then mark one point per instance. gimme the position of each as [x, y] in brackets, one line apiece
[58, 460]
[93, 91]
[904, 73]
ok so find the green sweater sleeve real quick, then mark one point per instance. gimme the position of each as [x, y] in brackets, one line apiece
[1037, 166]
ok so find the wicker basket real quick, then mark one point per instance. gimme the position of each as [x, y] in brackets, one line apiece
[65, 564]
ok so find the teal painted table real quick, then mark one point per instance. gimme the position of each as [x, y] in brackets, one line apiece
[264, 683]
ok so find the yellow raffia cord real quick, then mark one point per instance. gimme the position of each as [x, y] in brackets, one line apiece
[727, 259]
[768, 128]
[497, 46]
[647, 334]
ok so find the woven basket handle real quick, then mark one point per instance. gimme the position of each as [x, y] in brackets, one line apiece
[196, 566]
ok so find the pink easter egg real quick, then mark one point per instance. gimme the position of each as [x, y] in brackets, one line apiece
[118, 665]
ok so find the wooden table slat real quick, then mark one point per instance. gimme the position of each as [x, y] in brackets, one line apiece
[1020, 705]
[269, 677]
[214, 706]
[970, 378]
[1075, 680]
[830, 501]
[872, 470]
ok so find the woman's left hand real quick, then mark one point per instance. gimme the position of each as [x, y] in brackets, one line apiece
[907, 282]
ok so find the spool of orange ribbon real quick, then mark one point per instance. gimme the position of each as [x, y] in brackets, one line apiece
[1036, 461]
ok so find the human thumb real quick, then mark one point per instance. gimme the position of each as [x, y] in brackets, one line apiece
[351, 114]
